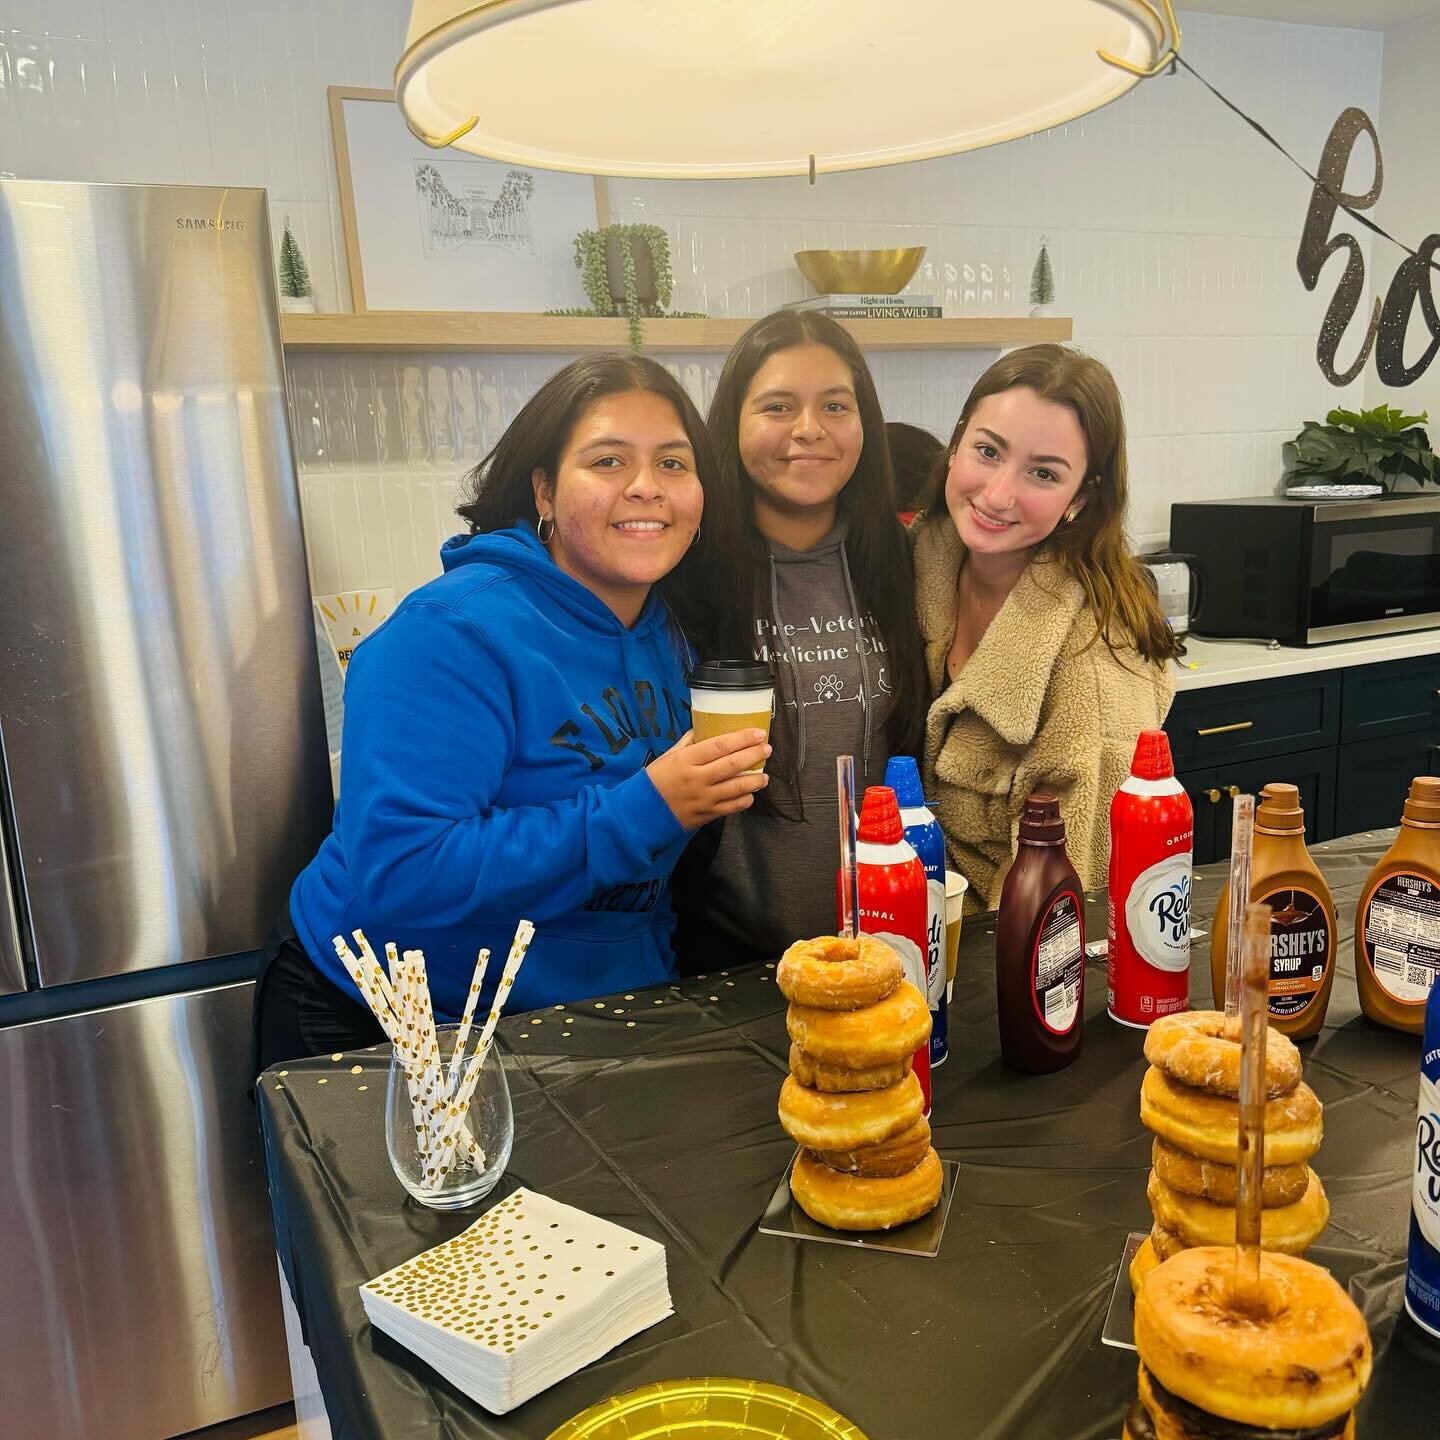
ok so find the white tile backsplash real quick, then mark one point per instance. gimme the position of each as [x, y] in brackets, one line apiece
[1172, 231]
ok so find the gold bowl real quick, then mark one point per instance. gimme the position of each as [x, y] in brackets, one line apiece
[859, 272]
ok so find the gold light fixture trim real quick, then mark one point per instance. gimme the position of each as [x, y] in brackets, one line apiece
[740, 89]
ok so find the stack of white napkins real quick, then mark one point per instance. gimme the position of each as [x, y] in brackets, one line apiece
[530, 1293]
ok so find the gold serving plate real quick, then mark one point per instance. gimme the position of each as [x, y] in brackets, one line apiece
[711, 1409]
[859, 272]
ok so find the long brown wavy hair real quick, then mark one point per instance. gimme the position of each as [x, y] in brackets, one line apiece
[875, 542]
[1093, 548]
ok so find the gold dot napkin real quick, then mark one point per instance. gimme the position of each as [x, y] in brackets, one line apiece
[533, 1291]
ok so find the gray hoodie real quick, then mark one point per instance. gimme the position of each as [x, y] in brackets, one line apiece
[772, 880]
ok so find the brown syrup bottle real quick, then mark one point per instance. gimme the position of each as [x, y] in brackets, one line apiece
[1040, 947]
[1397, 923]
[1302, 925]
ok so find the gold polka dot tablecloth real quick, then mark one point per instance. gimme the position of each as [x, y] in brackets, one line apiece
[530, 1293]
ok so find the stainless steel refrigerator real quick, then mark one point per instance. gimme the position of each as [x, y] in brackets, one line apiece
[164, 777]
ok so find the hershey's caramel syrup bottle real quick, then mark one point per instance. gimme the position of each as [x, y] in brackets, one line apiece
[1397, 923]
[1302, 925]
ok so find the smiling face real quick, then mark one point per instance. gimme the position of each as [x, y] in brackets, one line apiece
[1016, 470]
[800, 434]
[625, 498]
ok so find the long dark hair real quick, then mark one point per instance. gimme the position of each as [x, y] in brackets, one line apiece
[1093, 549]
[499, 490]
[875, 543]
[913, 453]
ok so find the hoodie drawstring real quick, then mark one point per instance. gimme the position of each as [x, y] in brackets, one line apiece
[859, 650]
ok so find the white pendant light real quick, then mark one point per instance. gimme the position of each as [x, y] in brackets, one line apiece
[708, 89]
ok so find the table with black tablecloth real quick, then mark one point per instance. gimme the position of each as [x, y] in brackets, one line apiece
[656, 1110]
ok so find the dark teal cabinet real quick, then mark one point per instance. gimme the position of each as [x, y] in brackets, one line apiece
[1351, 740]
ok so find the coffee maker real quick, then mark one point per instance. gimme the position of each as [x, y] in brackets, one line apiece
[1175, 582]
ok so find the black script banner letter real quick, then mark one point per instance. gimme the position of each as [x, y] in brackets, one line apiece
[1325, 199]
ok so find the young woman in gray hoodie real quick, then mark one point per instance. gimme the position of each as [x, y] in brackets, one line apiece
[822, 591]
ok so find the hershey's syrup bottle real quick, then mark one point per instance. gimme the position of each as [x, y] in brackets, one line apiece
[1397, 922]
[1302, 925]
[1040, 947]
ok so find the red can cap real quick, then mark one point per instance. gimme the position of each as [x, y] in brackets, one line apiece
[880, 817]
[1152, 756]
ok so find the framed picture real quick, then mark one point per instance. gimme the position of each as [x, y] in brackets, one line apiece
[442, 230]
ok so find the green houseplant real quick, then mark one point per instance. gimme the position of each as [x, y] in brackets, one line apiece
[625, 270]
[1379, 446]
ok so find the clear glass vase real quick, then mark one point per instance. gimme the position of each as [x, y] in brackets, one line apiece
[479, 1160]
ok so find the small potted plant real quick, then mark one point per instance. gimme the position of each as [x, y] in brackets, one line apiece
[1375, 449]
[295, 293]
[625, 270]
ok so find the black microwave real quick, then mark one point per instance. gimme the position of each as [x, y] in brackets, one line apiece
[1306, 572]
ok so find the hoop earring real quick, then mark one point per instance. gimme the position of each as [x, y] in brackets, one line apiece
[545, 536]
[694, 539]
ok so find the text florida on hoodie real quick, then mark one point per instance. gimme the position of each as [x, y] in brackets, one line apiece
[497, 729]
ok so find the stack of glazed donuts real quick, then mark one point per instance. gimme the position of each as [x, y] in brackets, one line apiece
[1190, 1100]
[851, 1102]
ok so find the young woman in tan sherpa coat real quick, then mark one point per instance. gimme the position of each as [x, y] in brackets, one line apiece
[1044, 641]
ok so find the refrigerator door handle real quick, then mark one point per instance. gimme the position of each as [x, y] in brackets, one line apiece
[12, 959]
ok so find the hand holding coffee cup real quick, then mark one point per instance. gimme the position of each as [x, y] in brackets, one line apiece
[730, 695]
[701, 780]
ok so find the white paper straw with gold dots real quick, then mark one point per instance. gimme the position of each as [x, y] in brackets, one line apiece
[368, 954]
[524, 933]
[366, 983]
[468, 1016]
[418, 1081]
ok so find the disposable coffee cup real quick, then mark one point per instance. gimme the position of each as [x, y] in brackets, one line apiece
[955, 887]
[730, 695]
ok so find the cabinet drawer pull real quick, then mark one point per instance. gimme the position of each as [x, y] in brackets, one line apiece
[1226, 729]
[1213, 796]
[1232, 791]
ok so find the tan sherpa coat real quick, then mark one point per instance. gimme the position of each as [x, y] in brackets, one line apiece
[1032, 709]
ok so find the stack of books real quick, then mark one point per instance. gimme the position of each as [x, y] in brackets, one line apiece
[530, 1293]
[871, 307]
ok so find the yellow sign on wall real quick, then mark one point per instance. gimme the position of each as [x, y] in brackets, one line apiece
[351, 616]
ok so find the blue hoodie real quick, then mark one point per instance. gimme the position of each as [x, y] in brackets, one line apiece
[497, 729]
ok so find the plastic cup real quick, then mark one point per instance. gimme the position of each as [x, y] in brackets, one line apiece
[730, 695]
[955, 887]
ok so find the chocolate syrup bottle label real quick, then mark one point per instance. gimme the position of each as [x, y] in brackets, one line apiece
[1058, 966]
[1300, 947]
[1157, 913]
[1402, 936]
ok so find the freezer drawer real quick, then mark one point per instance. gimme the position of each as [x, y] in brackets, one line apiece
[136, 1246]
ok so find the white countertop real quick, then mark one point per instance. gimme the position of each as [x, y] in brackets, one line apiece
[1232, 662]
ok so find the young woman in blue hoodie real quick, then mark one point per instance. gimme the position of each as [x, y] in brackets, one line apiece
[515, 740]
[821, 590]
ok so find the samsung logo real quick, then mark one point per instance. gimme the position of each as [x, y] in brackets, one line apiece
[193, 222]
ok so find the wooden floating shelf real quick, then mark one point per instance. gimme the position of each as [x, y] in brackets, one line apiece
[446, 330]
